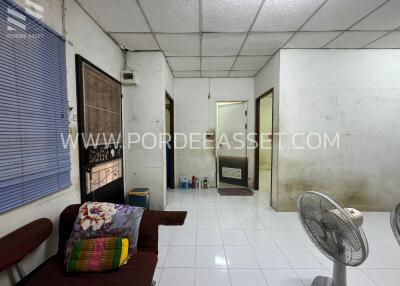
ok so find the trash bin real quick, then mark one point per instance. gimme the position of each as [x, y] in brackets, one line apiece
[139, 197]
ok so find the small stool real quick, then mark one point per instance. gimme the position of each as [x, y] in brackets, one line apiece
[139, 197]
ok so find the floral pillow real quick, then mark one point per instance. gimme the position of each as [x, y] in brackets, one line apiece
[96, 220]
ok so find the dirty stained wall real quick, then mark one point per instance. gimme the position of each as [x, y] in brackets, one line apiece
[355, 93]
[144, 113]
[265, 128]
[268, 79]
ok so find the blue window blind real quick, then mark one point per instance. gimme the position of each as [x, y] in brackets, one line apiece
[33, 109]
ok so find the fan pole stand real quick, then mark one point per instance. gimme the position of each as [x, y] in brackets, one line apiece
[322, 281]
[339, 277]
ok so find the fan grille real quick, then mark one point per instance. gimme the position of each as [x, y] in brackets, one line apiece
[332, 229]
[395, 222]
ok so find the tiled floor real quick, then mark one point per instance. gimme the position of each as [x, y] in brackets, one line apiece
[240, 241]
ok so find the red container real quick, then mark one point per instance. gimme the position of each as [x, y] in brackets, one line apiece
[193, 182]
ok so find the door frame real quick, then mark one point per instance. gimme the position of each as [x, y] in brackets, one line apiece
[216, 137]
[172, 143]
[257, 138]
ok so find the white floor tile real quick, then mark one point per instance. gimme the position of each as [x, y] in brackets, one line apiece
[327, 263]
[355, 277]
[233, 237]
[229, 223]
[282, 277]
[206, 205]
[285, 238]
[302, 237]
[190, 224]
[206, 213]
[177, 277]
[259, 237]
[209, 237]
[308, 275]
[272, 223]
[387, 255]
[270, 257]
[162, 254]
[381, 238]
[383, 277]
[240, 257]
[226, 213]
[189, 205]
[212, 277]
[251, 223]
[180, 256]
[247, 277]
[207, 223]
[300, 257]
[157, 275]
[226, 240]
[165, 235]
[183, 237]
[210, 257]
[372, 263]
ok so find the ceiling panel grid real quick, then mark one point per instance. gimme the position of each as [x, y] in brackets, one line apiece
[225, 38]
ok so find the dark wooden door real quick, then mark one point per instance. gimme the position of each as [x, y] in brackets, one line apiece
[100, 134]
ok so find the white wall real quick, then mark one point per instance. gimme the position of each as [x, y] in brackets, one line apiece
[231, 119]
[97, 47]
[355, 93]
[196, 113]
[144, 112]
[267, 79]
[265, 128]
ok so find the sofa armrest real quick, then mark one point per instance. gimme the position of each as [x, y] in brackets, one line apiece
[19, 243]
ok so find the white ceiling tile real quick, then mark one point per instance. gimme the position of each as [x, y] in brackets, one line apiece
[184, 63]
[172, 16]
[385, 18]
[187, 74]
[179, 44]
[228, 15]
[340, 14]
[243, 73]
[250, 63]
[285, 15]
[217, 63]
[264, 43]
[354, 40]
[116, 15]
[214, 73]
[222, 44]
[138, 42]
[391, 41]
[310, 40]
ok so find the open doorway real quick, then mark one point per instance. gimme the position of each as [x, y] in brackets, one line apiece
[264, 137]
[169, 129]
[231, 144]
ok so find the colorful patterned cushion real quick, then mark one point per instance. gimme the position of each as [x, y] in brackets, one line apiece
[99, 254]
[99, 220]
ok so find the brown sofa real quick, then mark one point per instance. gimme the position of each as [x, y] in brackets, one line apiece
[138, 271]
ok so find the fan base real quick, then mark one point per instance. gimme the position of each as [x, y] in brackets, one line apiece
[323, 281]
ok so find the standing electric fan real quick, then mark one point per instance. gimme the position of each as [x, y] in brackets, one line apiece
[395, 222]
[336, 232]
